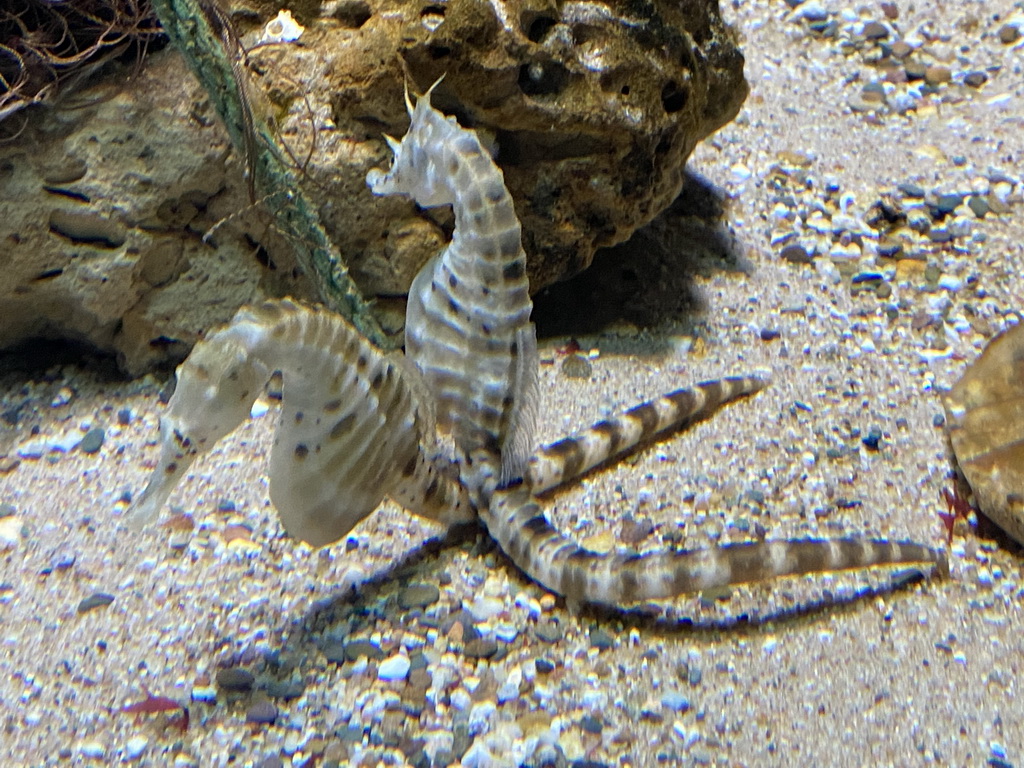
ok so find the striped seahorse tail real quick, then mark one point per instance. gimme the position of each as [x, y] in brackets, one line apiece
[562, 461]
[517, 522]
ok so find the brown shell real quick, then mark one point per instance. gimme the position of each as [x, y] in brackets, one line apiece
[985, 418]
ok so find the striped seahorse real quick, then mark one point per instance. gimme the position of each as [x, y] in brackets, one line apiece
[467, 330]
[358, 425]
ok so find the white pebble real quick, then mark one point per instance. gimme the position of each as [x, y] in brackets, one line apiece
[485, 608]
[135, 746]
[394, 668]
[93, 749]
[741, 172]
[10, 531]
[950, 283]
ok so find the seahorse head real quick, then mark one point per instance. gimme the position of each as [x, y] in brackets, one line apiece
[216, 387]
[415, 171]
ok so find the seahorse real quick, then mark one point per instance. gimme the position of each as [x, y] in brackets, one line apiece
[467, 330]
[354, 424]
[358, 425]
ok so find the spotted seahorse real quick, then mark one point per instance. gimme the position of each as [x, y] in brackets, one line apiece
[358, 424]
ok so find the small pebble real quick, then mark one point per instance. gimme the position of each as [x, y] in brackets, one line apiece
[124, 417]
[675, 701]
[600, 639]
[135, 746]
[796, 254]
[92, 441]
[94, 750]
[937, 75]
[262, 712]
[1009, 34]
[10, 531]
[418, 596]
[394, 668]
[235, 680]
[334, 652]
[362, 648]
[480, 648]
[548, 631]
[875, 30]
[975, 79]
[577, 367]
[98, 600]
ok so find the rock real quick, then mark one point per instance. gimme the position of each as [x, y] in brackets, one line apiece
[937, 74]
[975, 79]
[394, 668]
[135, 746]
[262, 713]
[102, 217]
[1009, 34]
[418, 596]
[97, 600]
[93, 441]
[235, 680]
[106, 205]
[480, 648]
[10, 531]
[875, 30]
[358, 648]
[901, 49]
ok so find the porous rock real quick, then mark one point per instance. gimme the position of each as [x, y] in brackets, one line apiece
[592, 110]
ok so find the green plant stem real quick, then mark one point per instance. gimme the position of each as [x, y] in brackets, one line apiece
[191, 31]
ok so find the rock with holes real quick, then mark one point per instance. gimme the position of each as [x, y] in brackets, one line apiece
[102, 212]
[591, 108]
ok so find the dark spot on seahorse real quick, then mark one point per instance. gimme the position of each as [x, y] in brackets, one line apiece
[332, 405]
[377, 381]
[485, 329]
[485, 290]
[244, 397]
[342, 426]
[301, 451]
[171, 468]
[410, 466]
[454, 307]
[627, 577]
[537, 524]
[233, 376]
[495, 191]
[299, 416]
[514, 347]
[513, 270]
[453, 281]
[432, 489]
[362, 362]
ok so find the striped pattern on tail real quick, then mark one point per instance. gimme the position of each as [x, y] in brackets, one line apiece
[519, 525]
[568, 458]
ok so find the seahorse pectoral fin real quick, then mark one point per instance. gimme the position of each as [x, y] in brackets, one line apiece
[524, 391]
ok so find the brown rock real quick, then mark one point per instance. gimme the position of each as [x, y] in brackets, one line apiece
[937, 75]
[1009, 34]
[902, 49]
